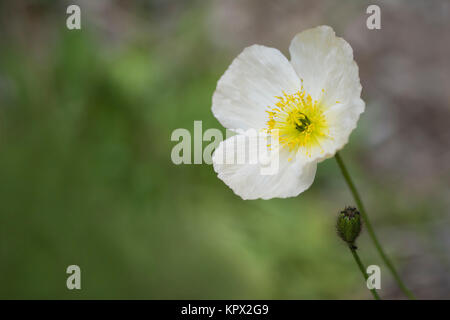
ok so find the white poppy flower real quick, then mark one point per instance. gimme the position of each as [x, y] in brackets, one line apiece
[312, 101]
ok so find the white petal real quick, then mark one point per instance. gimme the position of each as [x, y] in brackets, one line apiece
[289, 179]
[325, 62]
[250, 85]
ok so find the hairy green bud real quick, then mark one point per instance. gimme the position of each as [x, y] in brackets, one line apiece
[348, 225]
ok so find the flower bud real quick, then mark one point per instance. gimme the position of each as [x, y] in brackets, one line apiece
[348, 225]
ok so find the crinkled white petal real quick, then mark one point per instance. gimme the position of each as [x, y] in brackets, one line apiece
[263, 179]
[250, 85]
[325, 62]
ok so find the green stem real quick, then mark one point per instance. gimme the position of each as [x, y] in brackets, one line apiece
[363, 270]
[369, 228]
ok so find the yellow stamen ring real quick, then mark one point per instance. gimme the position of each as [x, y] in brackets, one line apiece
[300, 121]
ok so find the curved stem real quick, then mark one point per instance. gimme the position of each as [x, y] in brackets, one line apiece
[368, 225]
[363, 270]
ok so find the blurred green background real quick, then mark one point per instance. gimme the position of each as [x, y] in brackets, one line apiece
[86, 175]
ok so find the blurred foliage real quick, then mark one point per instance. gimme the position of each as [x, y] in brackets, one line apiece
[87, 179]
